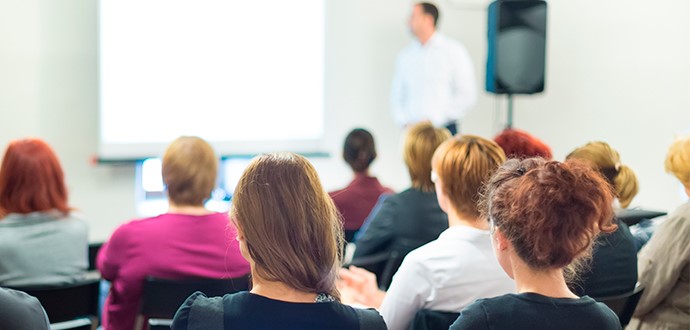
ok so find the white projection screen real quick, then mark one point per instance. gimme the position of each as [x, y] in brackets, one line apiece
[246, 76]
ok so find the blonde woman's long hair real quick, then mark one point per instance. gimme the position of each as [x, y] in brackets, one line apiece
[291, 228]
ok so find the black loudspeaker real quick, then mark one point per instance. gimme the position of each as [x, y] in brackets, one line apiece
[517, 47]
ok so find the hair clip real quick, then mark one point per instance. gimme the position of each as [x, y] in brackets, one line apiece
[521, 171]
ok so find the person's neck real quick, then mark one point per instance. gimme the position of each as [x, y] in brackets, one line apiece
[362, 174]
[457, 219]
[424, 36]
[279, 291]
[188, 209]
[550, 282]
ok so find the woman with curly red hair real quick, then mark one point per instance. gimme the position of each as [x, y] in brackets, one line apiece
[544, 217]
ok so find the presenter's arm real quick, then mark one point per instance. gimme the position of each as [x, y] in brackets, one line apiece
[398, 94]
[464, 82]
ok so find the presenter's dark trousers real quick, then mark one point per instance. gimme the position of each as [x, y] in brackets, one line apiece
[452, 127]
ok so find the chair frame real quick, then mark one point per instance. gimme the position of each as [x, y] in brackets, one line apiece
[55, 301]
[162, 297]
[623, 305]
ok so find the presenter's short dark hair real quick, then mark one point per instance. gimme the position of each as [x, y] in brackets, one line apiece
[359, 149]
[430, 9]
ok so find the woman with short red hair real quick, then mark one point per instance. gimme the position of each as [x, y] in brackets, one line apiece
[41, 241]
[544, 216]
[520, 144]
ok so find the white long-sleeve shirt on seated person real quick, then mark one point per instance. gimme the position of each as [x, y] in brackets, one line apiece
[446, 274]
[433, 81]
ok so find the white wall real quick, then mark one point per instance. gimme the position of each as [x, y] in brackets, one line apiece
[616, 72]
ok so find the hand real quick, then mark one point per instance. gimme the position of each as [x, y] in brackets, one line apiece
[359, 285]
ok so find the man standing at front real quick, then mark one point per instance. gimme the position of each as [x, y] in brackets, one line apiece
[434, 77]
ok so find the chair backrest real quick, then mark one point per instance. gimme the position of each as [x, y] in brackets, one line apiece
[162, 297]
[623, 305]
[67, 302]
[93, 253]
[633, 216]
[350, 234]
[427, 319]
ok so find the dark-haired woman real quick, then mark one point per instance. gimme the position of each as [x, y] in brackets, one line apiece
[355, 201]
[543, 217]
[41, 241]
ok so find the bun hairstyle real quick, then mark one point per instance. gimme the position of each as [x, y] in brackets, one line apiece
[359, 150]
[549, 211]
[291, 228]
[607, 161]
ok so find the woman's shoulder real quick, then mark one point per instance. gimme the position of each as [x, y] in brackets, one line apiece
[21, 310]
[202, 311]
[370, 319]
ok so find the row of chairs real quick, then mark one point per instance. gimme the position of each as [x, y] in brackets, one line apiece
[75, 306]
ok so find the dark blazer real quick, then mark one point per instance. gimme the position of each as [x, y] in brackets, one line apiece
[405, 222]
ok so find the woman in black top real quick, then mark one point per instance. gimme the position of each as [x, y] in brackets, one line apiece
[290, 232]
[544, 217]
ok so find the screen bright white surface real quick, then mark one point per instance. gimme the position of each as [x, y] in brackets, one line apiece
[245, 75]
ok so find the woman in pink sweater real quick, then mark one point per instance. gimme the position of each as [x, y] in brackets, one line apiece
[187, 242]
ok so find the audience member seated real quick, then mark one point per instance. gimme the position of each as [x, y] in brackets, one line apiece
[355, 201]
[187, 242]
[411, 218]
[290, 231]
[613, 269]
[21, 311]
[41, 241]
[544, 216]
[520, 144]
[664, 263]
[451, 272]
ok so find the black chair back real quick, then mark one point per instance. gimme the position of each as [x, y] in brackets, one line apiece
[67, 303]
[427, 319]
[350, 234]
[162, 297]
[633, 216]
[93, 253]
[623, 305]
